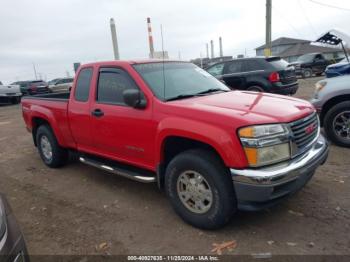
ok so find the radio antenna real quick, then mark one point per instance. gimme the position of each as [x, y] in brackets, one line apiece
[161, 33]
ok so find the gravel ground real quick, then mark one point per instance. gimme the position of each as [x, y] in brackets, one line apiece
[82, 210]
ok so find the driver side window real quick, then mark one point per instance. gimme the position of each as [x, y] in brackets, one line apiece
[216, 70]
[111, 84]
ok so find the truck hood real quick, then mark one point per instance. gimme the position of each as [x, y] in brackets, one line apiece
[251, 107]
[9, 89]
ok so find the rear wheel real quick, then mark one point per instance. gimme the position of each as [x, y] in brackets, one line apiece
[255, 88]
[337, 124]
[50, 151]
[307, 73]
[200, 189]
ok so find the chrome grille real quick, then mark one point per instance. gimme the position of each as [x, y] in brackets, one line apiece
[304, 132]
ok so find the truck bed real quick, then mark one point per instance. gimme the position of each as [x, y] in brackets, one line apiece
[52, 96]
[53, 108]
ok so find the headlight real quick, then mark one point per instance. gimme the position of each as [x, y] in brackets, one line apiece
[265, 144]
[2, 220]
[320, 85]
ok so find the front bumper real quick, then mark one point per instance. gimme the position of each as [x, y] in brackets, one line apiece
[12, 245]
[261, 188]
[8, 98]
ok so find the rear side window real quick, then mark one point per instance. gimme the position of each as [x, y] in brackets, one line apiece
[83, 85]
[111, 84]
[279, 64]
[253, 65]
[234, 67]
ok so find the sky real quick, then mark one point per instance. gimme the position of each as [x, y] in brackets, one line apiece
[54, 34]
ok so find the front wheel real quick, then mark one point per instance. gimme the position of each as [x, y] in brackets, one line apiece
[307, 73]
[200, 189]
[337, 124]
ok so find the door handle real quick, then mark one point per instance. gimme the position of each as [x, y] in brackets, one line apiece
[97, 113]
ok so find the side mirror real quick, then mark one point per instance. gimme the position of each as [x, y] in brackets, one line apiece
[134, 98]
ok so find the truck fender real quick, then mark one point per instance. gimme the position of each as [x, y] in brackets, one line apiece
[47, 115]
[223, 142]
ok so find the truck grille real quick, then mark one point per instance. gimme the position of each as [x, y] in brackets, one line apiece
[304, 132]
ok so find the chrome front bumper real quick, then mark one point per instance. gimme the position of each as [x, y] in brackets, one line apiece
[262, 187]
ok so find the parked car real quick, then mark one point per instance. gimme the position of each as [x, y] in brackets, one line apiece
[332, 101]
[61, 84]
[338, 69]
[10, 94]
[272, 75]
[12, 244]
[213, 150]
[33, 87]
[309, 64]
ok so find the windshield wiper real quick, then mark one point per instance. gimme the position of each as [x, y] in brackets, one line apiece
[180, 97]
[212, 90]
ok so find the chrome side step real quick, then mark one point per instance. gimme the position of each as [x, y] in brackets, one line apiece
[117, 170]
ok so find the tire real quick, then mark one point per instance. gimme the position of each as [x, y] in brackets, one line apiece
[213, 172]
[47, 142]
[256, 88]
[333, 122]
[307, 73]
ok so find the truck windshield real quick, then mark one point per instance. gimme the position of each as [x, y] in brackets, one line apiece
[178, 80]
[306, 58]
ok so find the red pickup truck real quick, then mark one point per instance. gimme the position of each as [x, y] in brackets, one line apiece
[213, 150]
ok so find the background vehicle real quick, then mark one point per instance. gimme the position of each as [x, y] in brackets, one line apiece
[338, 69]
[12, 245]
[332, 101]
[309, 64]
[10, 94]
[61, 84]
[33, 87]
[213, 150]
[270, 75]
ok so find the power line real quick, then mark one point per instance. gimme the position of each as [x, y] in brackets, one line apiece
[331, 6]
[307, 19]
[286, 21]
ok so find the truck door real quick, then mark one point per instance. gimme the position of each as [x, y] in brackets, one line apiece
[121, 132]
[320, 64]
[79, 110]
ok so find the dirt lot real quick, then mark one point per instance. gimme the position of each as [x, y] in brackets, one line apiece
[74, 209]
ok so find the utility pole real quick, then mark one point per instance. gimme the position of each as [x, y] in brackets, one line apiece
[114, 39]
[267, 50]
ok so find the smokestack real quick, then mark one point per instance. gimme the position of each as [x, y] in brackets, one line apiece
[114, 39]
[207, 45]
[212, 48]
[150, 38]
[220, 44]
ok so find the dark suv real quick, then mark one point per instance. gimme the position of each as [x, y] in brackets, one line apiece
[33, 87]
[272, 75]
